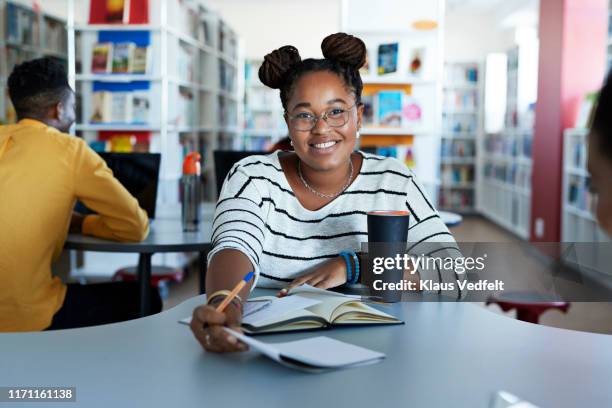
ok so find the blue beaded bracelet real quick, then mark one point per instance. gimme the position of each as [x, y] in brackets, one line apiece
[349, 270]
[356, 262]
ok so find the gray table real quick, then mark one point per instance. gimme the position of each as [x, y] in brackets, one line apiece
[166, 235]
[446, 355]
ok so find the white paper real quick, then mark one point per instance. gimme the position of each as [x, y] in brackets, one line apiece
[278, 308]
[316, 353]
[312, 289]
[251, 307]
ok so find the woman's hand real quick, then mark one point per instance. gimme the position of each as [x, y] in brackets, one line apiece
[329, 274]
[207, 326]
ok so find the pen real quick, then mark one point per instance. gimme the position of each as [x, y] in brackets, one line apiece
[235, 291]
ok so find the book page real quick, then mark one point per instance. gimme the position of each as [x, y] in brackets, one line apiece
[313, 353]
[280, 309]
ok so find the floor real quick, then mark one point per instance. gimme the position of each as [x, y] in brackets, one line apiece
[586, 316]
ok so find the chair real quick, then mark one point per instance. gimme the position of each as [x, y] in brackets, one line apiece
[225, 159]
[529, 306]
[160, 277]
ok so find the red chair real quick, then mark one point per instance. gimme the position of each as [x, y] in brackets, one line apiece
[529, 306]
[160, 277]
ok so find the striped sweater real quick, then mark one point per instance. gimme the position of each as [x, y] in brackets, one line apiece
[259, 215]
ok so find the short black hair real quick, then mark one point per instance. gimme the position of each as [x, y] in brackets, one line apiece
[602, 119]
[343, 55]
[36, 86]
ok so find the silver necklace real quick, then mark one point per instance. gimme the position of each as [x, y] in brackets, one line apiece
[323, 195]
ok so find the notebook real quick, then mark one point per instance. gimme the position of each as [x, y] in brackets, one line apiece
[321, 309]
[315, 354]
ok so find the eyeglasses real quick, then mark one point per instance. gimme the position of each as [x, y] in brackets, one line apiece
[335, 117]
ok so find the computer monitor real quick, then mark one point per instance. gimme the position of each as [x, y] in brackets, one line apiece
[225, 159]
[138, 173]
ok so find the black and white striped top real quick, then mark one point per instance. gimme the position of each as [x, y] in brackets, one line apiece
[259, 215]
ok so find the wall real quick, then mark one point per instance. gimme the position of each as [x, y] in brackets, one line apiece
[573, 40]
[265, 25]
[471, 36]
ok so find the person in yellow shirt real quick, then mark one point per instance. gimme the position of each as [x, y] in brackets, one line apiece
[43, 171]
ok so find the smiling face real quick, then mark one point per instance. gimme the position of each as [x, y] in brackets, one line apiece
[323, 147]
[600, 168]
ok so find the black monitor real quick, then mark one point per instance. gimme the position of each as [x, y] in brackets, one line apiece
[225, 159]
[138, 173]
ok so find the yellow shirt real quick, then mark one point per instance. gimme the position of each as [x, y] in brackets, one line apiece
[42, 173]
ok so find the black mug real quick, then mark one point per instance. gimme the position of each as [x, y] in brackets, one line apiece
[387, 238]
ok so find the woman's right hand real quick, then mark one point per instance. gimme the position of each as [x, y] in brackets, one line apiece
[207, 326]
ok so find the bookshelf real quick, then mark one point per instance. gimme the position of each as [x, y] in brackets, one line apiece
[26, 34]
[590, 250]
[462, 128]
[170, 83]
[264, 124]
[401, 97]
[505, 185]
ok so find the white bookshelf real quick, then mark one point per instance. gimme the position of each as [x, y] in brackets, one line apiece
[264, 123]
[504, 185]
[417, 140]
[587, 246]
[194, 83]
[26, 34]
[462, 128]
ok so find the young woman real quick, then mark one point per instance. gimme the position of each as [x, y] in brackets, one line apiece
[287, 216]
[600, 156]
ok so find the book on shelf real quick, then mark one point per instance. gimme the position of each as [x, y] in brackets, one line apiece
[387, 58]
[390, 108]
[458, 148]
[121, 107]
[22, 25]
[461, 74]
[101, 107]
[412, 112]
[579, 194]
[141, 107]
[120, 58]
[118, 11]
[404, 153]
[138, 141]
[56, 35]
[416, 62]
[122, 53]
[140, 60]
[458, 199]
[102, 58]
[368, 109]
[454, 174]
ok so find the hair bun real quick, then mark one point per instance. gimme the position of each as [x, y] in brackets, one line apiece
[344, 48]
[276, 65]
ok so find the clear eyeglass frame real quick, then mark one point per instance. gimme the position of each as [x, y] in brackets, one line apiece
[332, 120]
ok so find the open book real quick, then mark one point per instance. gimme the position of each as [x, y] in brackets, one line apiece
[320, 309]
[315, 354]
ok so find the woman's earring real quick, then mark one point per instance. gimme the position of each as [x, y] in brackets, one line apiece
[291, 142]
[357, 135]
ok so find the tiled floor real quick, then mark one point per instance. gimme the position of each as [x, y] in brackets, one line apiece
[593, 316]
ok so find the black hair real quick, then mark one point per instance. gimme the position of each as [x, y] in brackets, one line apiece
[36, 86]
[343, 55]
[601, 126]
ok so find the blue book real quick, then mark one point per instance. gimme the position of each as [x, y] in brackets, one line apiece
[390, 108]
[387, 58]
